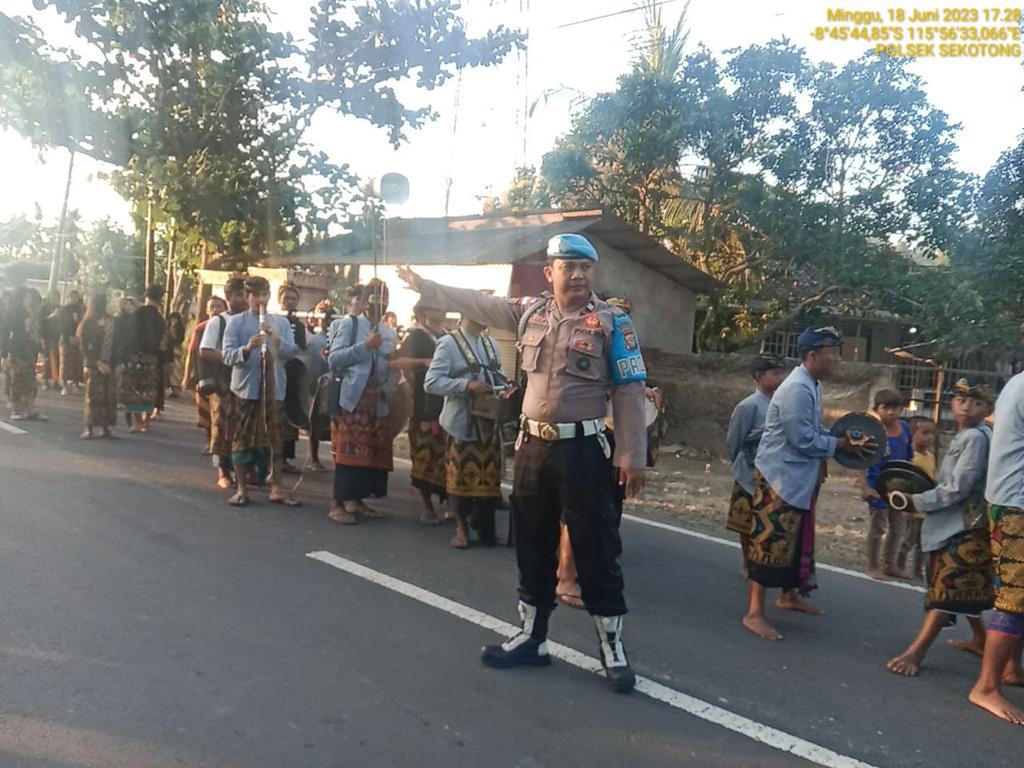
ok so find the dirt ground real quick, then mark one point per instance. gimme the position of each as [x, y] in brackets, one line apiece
[691, 489]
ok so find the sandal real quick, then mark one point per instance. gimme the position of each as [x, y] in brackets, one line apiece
[238, 500]
[570, 600]
[370, 512]
[86, 435]
[286, 501]
[342, 515]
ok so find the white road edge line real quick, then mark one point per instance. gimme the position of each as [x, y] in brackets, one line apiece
[735, 545]
[703, 710]
[12, 429]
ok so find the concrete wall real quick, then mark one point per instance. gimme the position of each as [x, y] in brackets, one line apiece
[703, 389]
[663, 311]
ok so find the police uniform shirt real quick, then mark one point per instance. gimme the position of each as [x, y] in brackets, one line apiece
[566, 359]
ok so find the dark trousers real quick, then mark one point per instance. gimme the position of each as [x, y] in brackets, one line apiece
[558, 481]
[478, 513]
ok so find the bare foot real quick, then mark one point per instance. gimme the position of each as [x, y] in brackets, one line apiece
[761, 628]
[370, 512]
[459, 540]
[1014, 678]
[341, 515]
[794, 603]
[430, 518]
[971, 646]
[993, 702]
[877, 573]
[907, 664]
[896, 573]
[224, 482]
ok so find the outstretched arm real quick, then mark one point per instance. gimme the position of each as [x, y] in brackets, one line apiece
[492, 311]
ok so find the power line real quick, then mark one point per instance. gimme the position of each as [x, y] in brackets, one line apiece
[610, 15]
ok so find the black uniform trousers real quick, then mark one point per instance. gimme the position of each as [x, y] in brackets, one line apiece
[567, 480]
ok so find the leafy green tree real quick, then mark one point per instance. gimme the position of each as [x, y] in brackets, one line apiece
[203, 110]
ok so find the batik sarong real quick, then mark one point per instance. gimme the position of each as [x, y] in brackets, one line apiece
[70, 360]
[140, 382]
[256, 432]
[362, 448]
[428, 451]
[221, 410]
[21, 379]
[473, 467]
[203, 414]
[960, 576]
[781, 541]
[1006, 526]
[100, 408]
[741, 514]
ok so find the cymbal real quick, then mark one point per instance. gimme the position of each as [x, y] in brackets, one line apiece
[860, 427]
[903, 476]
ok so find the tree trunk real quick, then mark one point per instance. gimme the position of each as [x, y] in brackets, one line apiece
[147, 278]
[58, 254]
[169, 276]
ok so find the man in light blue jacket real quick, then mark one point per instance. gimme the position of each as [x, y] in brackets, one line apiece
[256, 346]
[789, 469]
[360, 364]
[466, 365]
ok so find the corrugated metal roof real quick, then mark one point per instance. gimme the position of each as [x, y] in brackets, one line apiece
[504, 239]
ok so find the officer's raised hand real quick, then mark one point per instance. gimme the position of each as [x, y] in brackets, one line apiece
[632, 480]
[410, 278]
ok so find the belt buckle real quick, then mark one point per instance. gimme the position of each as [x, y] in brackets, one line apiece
[549, 433]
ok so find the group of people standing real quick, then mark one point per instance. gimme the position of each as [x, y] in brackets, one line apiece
[124, 361]
[968, 530]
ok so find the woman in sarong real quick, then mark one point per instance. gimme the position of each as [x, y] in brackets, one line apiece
[954, 534]
[361, 347]
[20, 345]
[96, 340]
[427, 440]
[141, 377]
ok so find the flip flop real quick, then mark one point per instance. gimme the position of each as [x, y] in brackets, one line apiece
[239, 501]
[570, 601]
[287, 501]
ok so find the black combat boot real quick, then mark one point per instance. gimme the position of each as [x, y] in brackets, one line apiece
[613, 655]
[528, 648]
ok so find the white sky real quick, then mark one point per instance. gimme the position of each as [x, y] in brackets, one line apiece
[480, 154]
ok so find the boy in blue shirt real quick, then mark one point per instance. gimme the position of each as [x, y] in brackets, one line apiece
[887, 526]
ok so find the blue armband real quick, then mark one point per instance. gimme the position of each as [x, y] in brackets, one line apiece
[625, 360]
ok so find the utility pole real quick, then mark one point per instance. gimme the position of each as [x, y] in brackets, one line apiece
[58, 253]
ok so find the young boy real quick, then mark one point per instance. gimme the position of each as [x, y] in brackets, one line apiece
[745, 428]
[886, 524]
[1001, 662]
[954, 532]
[910, 560]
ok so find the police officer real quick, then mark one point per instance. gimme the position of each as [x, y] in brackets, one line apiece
[578, 352]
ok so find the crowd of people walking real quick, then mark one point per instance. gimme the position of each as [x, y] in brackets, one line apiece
[580, 442]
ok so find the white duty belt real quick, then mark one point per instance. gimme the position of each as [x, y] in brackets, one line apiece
[550, 432]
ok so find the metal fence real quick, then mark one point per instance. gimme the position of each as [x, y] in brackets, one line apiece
[927, 388]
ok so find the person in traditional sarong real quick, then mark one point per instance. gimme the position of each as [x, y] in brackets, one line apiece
[465, 366]
[96, 340]
[361, 349]
[288, 297]
[68, 317]
[745, 428]
[257, 350]
[141, 376]
[789, 468]
[125, 345]
[222, 401]
[427, 438]
[318, 341]
[215, 306]
[51, 340]
[954, 533]
[20, 345]
[1004, 489]
[175, 353]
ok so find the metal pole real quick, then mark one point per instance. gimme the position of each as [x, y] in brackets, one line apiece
[58, 253]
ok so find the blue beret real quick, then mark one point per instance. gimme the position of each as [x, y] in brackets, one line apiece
[571, 247]
[815, 338]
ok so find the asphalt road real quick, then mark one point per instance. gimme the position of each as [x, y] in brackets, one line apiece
[147, 623]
